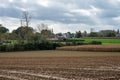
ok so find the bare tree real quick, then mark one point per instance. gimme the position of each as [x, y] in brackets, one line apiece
[41, 27]
[26, 18]
[44, 31]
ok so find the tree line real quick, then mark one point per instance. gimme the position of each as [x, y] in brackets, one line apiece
[26, 38]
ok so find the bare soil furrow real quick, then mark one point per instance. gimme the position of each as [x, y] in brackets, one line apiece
[11, 77]
[36, 75]
[60, 65]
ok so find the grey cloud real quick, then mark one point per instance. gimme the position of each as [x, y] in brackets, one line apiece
[61, 11]
[10, 12]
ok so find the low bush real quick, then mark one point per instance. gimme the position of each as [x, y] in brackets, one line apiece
[18, 47]
[2, 48]
[96, 42]
[29, 46]
[78, 43]
[6, 48]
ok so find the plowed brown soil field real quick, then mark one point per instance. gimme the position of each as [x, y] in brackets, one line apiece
[60, 65]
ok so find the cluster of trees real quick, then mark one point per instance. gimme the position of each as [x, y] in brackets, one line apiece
[105, 33]
[3, 33]
[21, 33]
[24, 33]
[25, 38]
[102, 33]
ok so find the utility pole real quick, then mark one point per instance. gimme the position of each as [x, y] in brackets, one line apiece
[21, 22]
[92, 30]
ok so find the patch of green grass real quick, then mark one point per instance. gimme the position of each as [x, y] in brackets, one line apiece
[104, 41]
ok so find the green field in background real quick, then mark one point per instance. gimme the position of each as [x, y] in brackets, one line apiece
[104, 41]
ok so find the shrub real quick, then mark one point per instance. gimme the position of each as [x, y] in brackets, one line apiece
[9, 48]
[96, 42]
[80, 43]
[2, 48]
[77, 43]
[6, 48]
[29, 46]
[68, 44]
[47, 46]
[18, 47]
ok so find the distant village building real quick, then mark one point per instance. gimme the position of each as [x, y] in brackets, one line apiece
[118, 35]
[61, 37]
[53, 38]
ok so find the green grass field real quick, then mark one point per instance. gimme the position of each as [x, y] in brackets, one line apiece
[104, 41]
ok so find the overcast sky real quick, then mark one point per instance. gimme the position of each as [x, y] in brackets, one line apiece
[63, 15]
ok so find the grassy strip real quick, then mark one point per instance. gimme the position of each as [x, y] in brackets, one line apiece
[104, 41]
